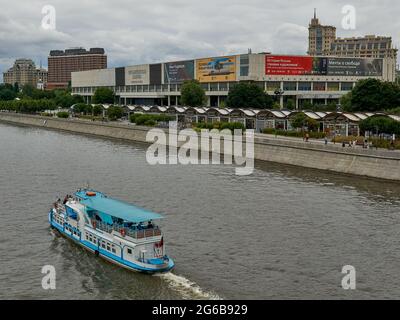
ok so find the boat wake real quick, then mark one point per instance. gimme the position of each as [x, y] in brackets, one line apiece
[187, 288]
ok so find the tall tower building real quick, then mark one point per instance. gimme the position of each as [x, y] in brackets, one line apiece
[320, 37]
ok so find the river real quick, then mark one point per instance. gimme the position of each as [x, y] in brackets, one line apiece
[283, 232]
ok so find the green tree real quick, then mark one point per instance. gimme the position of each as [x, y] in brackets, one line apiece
[380, 124]
[248, 95]
[373, 95]
[114, 113]
[7, 94]
[103, 95]
[300, 120]
[28, 91]
[97, 110]
[192, 94]
[290, 104]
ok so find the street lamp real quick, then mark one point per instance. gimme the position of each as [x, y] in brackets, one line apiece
[278, 93]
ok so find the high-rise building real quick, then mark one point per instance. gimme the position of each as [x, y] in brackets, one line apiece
[320, 37]
[370, 46]
[323, 41]
[62, 63]
[25, 72]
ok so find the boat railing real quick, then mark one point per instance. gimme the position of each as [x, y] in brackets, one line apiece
[136, 234]
[60, 208]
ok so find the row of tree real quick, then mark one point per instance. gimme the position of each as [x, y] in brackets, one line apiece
[367, 95]
[372, 95]
[242, 95]
[28, 105]
[378, 125]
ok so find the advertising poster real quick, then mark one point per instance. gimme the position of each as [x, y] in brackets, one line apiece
[137, 75]
[288, 65]
[356, 67]
[306, 65]
[216, 69]
[178, 72]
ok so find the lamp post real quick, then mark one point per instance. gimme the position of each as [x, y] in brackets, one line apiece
[278, 94]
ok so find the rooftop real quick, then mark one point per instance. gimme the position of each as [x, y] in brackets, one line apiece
[116, 208]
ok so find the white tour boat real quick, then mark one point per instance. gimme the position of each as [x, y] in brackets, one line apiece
[119, 232]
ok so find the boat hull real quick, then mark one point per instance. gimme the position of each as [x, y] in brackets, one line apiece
[149, 269]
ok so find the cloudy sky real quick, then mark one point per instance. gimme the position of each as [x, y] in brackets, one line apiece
[134, 31]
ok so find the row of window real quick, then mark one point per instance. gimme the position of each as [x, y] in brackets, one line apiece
[363, 46]
[58, 219]
[71, 230]
[106, 245]
[226, 86]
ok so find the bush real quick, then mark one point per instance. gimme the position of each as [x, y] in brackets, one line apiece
[219, 125]
[150, 123]
[46, 114]
[296, 134]
[63, 114]
[231, 126]
[341, 139]
[114, 113]
[149, 119]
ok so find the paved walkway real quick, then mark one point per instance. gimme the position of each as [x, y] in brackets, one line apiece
[320, 144]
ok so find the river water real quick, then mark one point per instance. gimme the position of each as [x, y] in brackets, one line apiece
[283, 232]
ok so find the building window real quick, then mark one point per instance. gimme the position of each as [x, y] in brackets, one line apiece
[223, 86]
[333, 86]
[319, 86]
[213, 86]
[304, 86]
[347, 86]
[289, 86]
[244, 65]
[273, 85]
[129, 251]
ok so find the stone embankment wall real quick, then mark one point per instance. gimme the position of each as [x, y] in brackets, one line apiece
[382, 164]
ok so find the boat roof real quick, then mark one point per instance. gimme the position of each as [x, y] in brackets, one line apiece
[116, 208]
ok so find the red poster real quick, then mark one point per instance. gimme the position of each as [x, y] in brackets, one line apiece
[288, 65]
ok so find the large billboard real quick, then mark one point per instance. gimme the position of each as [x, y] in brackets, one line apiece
[216, 69]
[306, 65]
[137, 75]
[358, 67]
[288, 65]
[178, 72]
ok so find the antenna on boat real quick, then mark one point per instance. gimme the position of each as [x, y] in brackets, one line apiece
[87, 185]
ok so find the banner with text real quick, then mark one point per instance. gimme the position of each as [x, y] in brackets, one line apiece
[306, 65]
[137, 75]
[178, 72]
